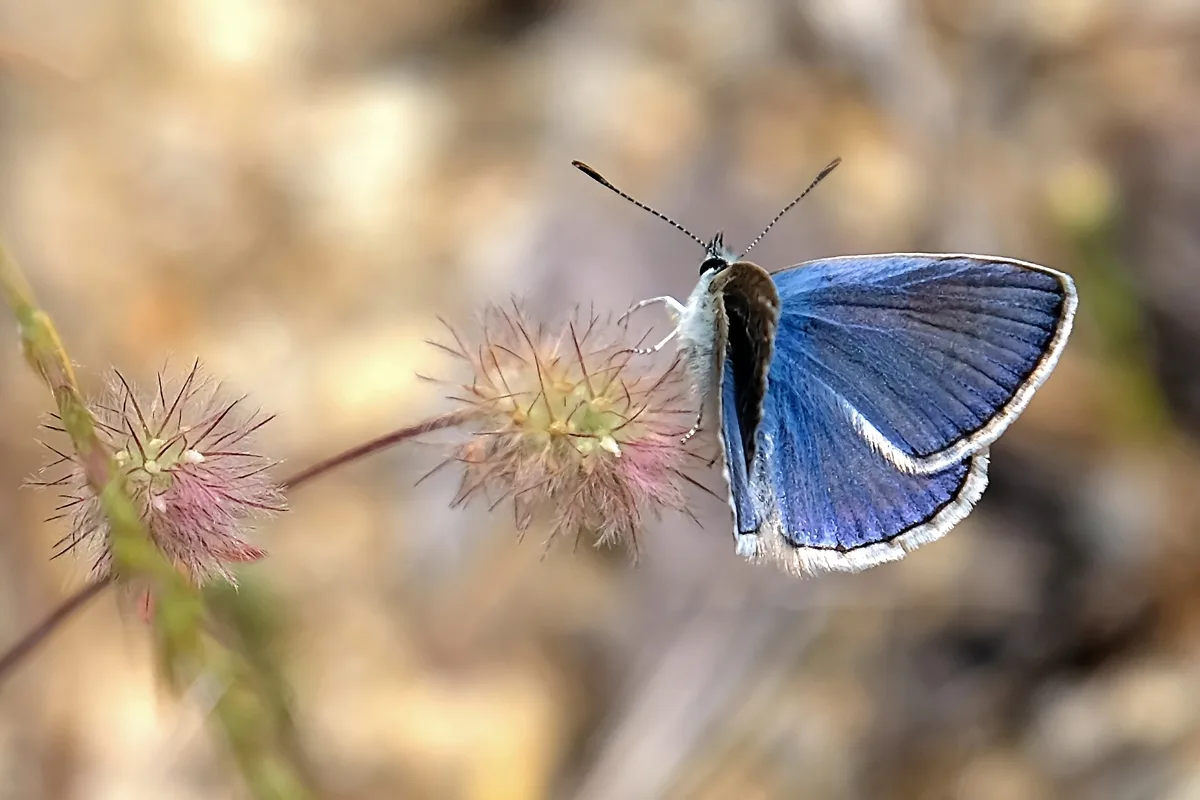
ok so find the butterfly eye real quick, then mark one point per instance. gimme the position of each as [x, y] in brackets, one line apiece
[713, 263]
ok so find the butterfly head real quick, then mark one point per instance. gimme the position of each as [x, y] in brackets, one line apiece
[717, 256]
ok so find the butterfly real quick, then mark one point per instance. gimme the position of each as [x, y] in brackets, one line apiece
[856, 397]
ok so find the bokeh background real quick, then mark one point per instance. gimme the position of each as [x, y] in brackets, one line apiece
[293, 190]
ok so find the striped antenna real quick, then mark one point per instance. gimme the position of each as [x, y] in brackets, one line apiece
[600, 179]
[820, 177]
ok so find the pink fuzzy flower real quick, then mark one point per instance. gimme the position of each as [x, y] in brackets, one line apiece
[574, 428]
[188, 463]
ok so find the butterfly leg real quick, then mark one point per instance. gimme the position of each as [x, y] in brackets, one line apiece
[670, 302]
[645, 351]
[692, 431]
[674, 307]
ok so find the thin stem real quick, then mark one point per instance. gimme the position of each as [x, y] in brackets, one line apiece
[30, 641]
[438, 423]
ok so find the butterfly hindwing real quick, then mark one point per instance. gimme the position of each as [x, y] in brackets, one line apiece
[930, 356]
[746, 518]
[820, 497]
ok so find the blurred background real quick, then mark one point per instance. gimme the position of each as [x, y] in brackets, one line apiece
[293, 190]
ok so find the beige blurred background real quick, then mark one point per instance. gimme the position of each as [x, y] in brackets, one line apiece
[293, 190]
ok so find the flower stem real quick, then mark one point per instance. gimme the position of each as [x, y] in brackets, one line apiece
[438, 423]
[30, 641]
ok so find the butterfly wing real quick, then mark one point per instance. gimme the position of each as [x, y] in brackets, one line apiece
[930, 357]
[890, 377]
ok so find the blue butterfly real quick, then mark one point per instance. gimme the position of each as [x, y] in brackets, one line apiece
[858, 396]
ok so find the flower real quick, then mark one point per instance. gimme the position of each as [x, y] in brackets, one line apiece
[572, 426]
[188, 463]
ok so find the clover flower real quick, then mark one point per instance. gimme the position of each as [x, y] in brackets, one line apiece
[187, 459]
[573, 427]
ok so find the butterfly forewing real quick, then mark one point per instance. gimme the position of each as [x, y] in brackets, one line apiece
[933, 356]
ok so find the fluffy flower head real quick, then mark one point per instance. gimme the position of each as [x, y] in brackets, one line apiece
[573, 426]
[187, 459]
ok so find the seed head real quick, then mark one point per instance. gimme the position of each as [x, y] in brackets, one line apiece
[186, 455]
[572, 426]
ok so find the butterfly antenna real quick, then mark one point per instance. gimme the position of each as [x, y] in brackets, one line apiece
[820, 177]
[600, 179]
